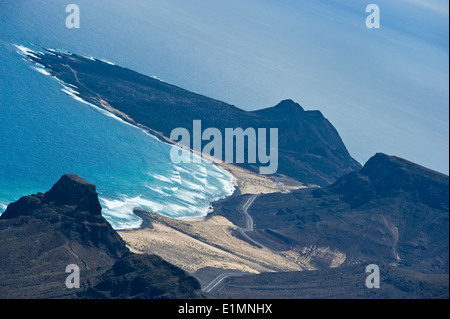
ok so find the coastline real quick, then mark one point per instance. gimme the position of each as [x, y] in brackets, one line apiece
[249, 182]
[244, 181]
[201, 244]
[146, 222]
[210, 244]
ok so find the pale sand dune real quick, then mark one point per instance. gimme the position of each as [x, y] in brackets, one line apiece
[250, 182]
[197, 243]
[193, 244]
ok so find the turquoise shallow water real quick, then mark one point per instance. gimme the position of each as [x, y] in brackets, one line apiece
[45, 133]
[384, 90]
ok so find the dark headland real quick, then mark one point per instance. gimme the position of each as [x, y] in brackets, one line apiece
[310, 149]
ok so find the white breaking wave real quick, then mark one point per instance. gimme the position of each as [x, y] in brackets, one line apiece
[192, 185]
[158, 190]
[173, 189]
[187, 190]
[176, 177]
[42, 71]
[24, 51]
[106, 61]
[228, 184]
[162, 178]
[119, 212]
[75, 95]
[151, 135]
[189, 196]
[180, 169]
[176, 209]
[202, 169]
[202, 180]
[27, 52]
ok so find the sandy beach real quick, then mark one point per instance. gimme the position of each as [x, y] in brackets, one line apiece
[249, 182]
[198, 243]
[213, 243]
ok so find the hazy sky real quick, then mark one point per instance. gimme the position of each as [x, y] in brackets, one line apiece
[385, 90]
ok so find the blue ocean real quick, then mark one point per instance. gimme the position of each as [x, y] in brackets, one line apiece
[385, 90]
[45, 133]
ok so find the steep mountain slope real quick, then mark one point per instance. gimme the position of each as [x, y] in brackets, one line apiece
[390, 212]
[40, 235]
[345, 282]
[310, 149]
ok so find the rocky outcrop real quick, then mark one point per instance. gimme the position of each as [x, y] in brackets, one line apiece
[386, 176]
[41, 234]
[144, 277]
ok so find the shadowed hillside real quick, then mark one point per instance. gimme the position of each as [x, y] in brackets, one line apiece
[310, 148]
[40, 235]
[391, 211]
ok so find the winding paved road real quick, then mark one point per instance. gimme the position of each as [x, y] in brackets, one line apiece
[218, 279]
[244, 209]
[249, 218]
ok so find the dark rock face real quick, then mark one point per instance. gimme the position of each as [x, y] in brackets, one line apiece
[144, 277]
[345, 282]
[390, 176]
[41, 234]
[310, 148]
[72, 208]
[390, 212]
[72, 190]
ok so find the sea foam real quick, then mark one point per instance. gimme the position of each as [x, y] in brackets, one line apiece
[180, 191]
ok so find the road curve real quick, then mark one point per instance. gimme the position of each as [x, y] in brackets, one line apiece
[244, 209]
[218, 279]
